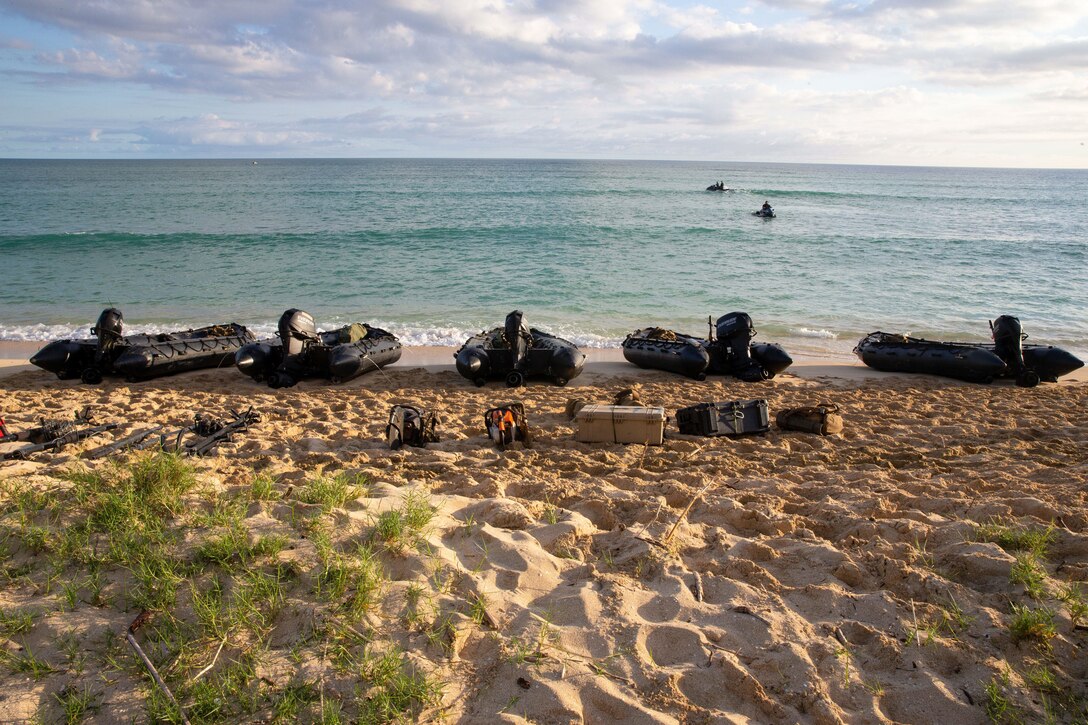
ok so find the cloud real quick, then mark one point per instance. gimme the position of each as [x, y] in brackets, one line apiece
[210, 130]
[15, 44]
[1077, 94]
[612, 76]
[344, 49]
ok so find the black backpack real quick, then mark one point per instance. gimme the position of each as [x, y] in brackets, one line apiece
[410, 426]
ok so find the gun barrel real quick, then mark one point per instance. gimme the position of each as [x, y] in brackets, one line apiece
[57, 443]
[128, 441]
[241, 421]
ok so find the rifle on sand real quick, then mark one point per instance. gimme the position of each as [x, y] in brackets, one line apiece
[215, 432]
[52, 435]
[57, 443]
[210, 432]
[125, 443]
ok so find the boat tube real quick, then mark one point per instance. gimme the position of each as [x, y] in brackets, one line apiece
[1049, 362]
[674, 352]
[515, 352]
[140, 357]
[730, 353]
[895, 353]
[1029, 364]
[1007, 357]
[300, 352]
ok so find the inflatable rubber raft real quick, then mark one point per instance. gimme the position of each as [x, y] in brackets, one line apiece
[730, 352]
[515, 353]
[1007, 357]
[300, 352]
[140, 357]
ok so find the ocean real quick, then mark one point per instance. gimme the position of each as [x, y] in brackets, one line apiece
[436, 250]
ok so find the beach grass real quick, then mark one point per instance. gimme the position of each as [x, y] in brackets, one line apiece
[146, 536]
[307, 574]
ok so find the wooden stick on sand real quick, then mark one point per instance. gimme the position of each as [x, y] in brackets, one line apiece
[683, 515]
[136, 624]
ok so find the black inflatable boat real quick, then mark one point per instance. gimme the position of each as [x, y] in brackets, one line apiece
[731, 352]
[140, 357]
[514, 353]
[301, 352]
[1007, 357]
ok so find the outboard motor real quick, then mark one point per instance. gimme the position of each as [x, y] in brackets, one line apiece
[519, 339]
[108, 330]
[1008, 345]
[297, 331]
[735, 332]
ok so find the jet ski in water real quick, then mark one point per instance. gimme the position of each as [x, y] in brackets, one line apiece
[720, 186]
[1007, 357]
[732, 353]
[766, 212]
[300, 351]
[514, 352]
[139, 357]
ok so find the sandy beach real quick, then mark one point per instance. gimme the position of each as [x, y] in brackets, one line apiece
[929, 564]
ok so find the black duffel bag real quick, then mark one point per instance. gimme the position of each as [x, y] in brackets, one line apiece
[731, 418]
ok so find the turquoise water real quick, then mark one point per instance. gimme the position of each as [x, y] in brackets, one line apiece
[437, 249]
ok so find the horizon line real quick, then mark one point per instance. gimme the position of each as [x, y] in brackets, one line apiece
[528, 158]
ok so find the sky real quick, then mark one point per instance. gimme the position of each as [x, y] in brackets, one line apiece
[997, 83]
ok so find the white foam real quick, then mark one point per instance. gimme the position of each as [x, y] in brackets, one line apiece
[454, 336]
[410, 335]
[808, 332]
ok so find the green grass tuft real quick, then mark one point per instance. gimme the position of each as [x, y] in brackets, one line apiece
[263, 488]
[1028, 572]
[1030, 623]
[76, 703]
[357, 581]
[395, 691]
[16, 621]
[403, 528]
[26, 662]
[226, 694]
[1011, 538]
[161, 479]
[1042, 679]
[258, 599]
[290, 702]
[1076, 602]
[333, 492]
[234, 550]
[998, 707]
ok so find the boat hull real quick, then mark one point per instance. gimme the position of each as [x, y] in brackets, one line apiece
[695, 358]
[950, 360]
[771, 357]
[963, 361]
[327, 358]
[483, 358]
[683, 355]
[1049, 362]
[143, 357]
